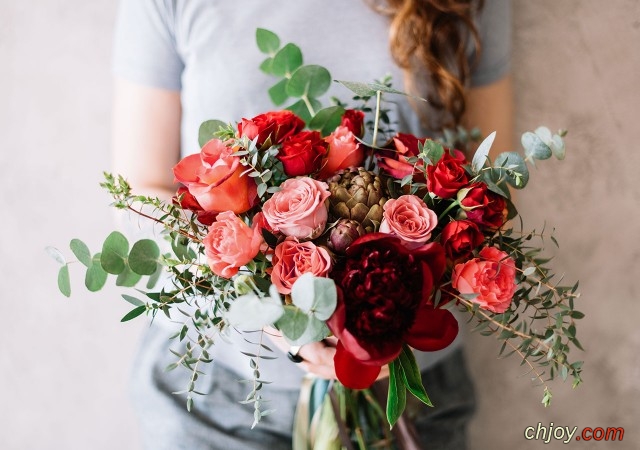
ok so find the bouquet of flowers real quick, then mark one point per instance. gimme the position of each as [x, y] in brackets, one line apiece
[323, 222]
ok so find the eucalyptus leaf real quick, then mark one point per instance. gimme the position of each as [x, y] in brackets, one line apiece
[266, 66]
[143, 258]
[81, 251]
[310, 81]
[268, 42]
[127, 278]
[64, 282]
[250, 312]
[96, 277]
[207, 130]
[56, 254]
[286, 61]
[534, 147]
[509, 163]
[360, 89]
[316, 296]
[327, 120]
[315, 331]
[301, 109]
[153, 279]
[134, 301]
[432, 150]
[293, 323]
[114, 253]
[135, 312]
[482, 153]
[278, 92]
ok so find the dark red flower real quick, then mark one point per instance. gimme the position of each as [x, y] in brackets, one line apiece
[301, 153]
[273, 127]
[447, 176]
[383, 303]
[460, 238]
[484, 207]
[354, 121]
[394, 160]
[186, 200]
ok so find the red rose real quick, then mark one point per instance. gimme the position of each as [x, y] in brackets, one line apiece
[447, 176]
[460, 238]
[383, 303]
[483, 206]
[404, 146]
[301, 154]
[276, 125]
[186, 200]
[354, 121]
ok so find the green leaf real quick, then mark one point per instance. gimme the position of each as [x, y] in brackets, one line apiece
[56, 254]
[64, 283]
[268, 42]
[266, 66]
[135, 312]
[316, 296]
[114, 253]
[143, 258]
[310, 81]
[127, 278]
[134, 301]
[277, 92]
[397, 398]
[411, 375]
[315, 331]
[81, 251]
[300, 109]
[509, 163]
[327, 120]
[207, 130]
[250, 312]
[95, 277]
[534, 147]
[153, 279]
[287, 60]
[482, 153]
[360, 89]
[293, 323]
[433, 150]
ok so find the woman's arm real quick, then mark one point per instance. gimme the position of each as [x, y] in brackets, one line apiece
[490, 108]
[146, 137]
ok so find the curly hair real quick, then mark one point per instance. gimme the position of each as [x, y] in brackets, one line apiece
[432, 36]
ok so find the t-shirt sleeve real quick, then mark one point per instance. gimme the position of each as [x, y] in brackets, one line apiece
[494, 26]
[145, 49]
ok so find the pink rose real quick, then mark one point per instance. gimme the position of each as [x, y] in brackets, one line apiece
[299, 208]
[409, 218]
[230, 244]
[292, 259]
[344, 152]
[214, 177]
[491, 276]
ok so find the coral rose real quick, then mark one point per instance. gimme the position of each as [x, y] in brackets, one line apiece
[185, 200]
[293, 258]
[383, 303]
[409, 218]
[299, 208]
[214, 177]
[230, 244]
[344, 152]
[492, 276]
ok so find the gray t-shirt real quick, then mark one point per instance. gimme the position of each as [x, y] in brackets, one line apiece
[206, 49]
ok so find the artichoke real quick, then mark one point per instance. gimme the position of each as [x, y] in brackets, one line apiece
[359, 195]
[343, 234]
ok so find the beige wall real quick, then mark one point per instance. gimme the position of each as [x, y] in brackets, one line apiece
[64, 363]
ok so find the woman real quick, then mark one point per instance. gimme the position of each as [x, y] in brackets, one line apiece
[180, 62]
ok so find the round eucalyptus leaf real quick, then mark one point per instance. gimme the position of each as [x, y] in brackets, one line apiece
[207, 130]
[127, 278]
[81, 251]
[286, 61]
[293, 322]
[512, 167]
[143, 258]
[301, 109]
[268, 42]
[114, 253]
[95, 277]
[316, 330]
[534, 147]
[327, 120]
[56, 254]
[250, 312]
[64, 283]
[309, 81]
[316, 296]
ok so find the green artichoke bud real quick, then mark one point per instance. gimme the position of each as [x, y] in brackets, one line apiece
[359, 195]
[343, 234]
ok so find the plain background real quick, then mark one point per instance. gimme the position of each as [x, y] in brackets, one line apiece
[64, 363]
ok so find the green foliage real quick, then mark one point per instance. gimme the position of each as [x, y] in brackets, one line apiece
[113, 258]
[397, 398]
[64, 284]
[327, 120]
[208, 130]
[268, 42]
[143, 258]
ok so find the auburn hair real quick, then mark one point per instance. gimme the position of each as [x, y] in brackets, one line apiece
[432, 37]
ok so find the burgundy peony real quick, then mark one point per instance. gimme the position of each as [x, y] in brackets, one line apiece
[447, 176]
[383, 303]
[460, 238]
[484, 207]
[302, 153]
[271, 128]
